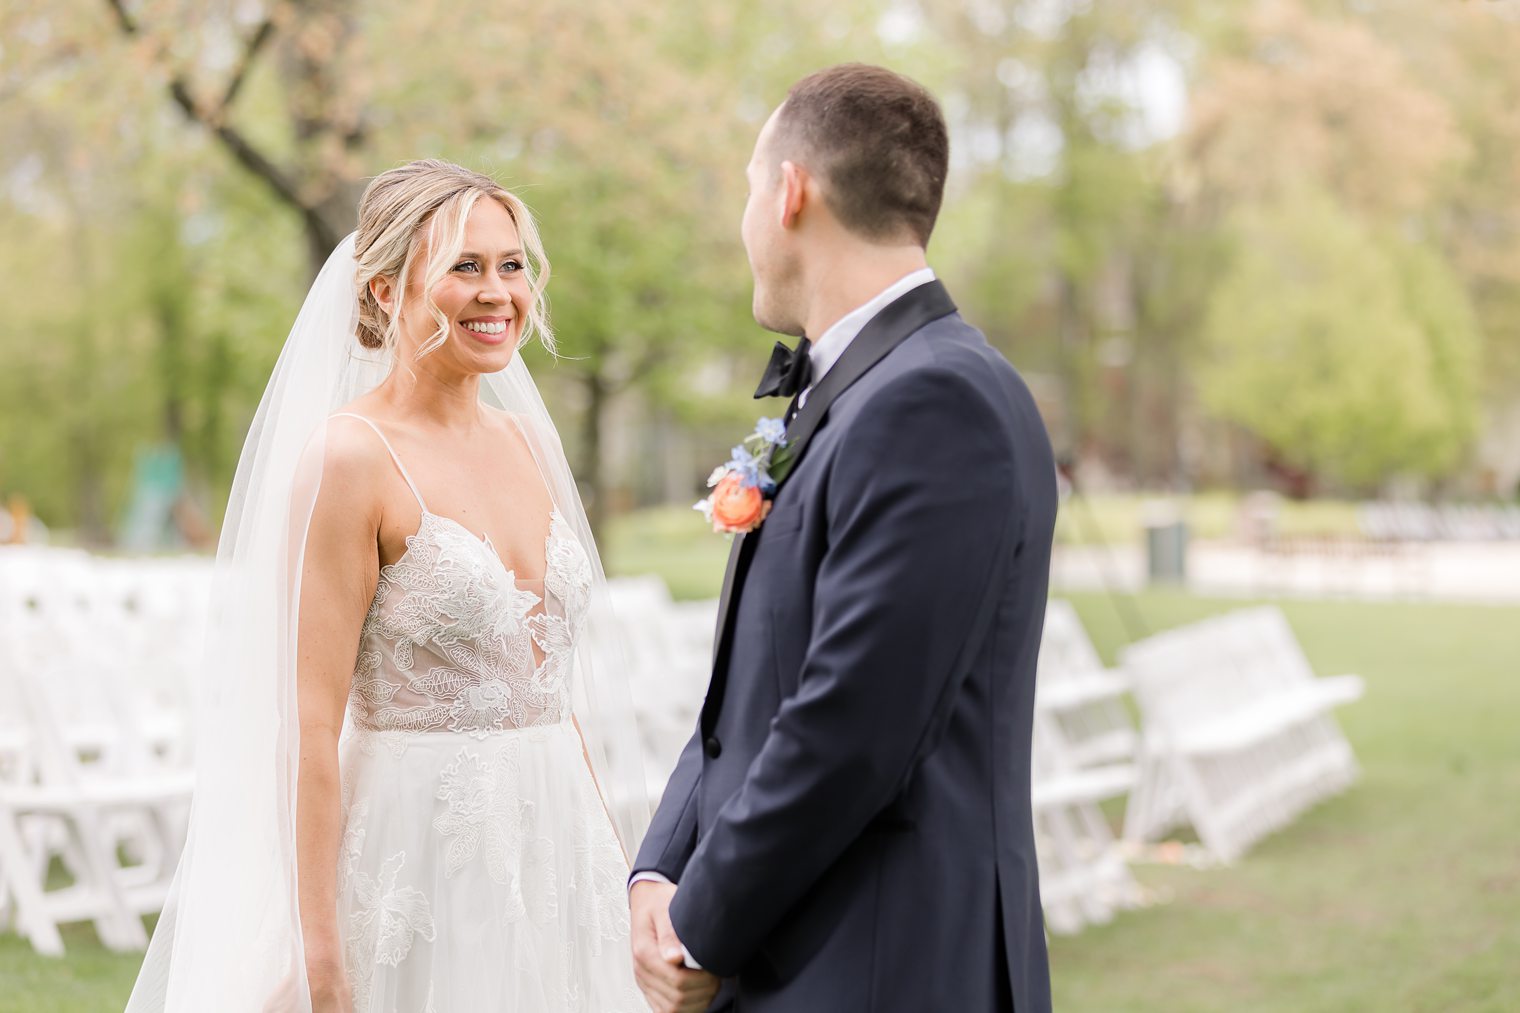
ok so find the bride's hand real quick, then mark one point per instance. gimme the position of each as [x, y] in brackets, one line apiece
[331, 995]
[328, 985]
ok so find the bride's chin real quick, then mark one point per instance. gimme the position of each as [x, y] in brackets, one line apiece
[496, 359]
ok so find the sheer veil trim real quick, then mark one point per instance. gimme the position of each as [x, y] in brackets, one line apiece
[229, 937]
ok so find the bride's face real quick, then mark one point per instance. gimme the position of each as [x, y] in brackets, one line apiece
[485, 296]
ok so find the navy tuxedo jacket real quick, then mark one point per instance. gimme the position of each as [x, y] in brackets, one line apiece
[850, 826]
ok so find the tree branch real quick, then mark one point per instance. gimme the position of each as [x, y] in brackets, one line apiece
[251, 48]
[123, 18]
[215, 121]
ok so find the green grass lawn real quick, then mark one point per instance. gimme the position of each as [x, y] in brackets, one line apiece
[1403, 894]
[672, 541]
[1120, 517]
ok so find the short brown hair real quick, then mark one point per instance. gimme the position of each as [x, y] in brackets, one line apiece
[876, 139]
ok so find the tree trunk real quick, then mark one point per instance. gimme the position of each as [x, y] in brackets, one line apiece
[593, 476]
[1073, 367]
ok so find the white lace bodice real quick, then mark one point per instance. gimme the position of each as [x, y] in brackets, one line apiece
[453, 640]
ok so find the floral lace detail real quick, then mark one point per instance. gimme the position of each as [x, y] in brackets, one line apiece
[369, 685]
[385, 920]
[486, 813]
[568, 573]
[352, 846]
[470, 650]
[601, 873]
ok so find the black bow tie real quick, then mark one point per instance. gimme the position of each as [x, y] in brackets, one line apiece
[788, 373]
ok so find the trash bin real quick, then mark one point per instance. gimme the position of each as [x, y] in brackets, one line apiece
[1166, 537]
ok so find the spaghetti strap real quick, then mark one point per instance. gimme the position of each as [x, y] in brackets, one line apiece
[394, 456]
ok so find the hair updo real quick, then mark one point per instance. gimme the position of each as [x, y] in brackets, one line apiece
[437, 196]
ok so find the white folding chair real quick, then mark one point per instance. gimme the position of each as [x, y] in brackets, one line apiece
[1238, 735]
[1083, 875]
[1085, 699]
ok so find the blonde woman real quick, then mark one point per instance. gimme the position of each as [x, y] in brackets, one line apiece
[418, 778]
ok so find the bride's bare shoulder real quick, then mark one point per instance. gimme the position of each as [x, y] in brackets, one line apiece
[343, 455]
[351, 448]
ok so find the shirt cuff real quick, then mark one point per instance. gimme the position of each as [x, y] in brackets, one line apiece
[655, 877]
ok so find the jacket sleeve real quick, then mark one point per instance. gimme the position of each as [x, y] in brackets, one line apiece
[673, 831]
[923, 515]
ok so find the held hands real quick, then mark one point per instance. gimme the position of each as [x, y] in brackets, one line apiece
[658, 963]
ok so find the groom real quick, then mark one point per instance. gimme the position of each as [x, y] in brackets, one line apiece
[849, 828]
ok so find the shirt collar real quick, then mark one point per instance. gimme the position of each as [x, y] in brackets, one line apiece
[827, 349]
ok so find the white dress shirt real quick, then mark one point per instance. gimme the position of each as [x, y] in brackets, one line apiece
[830, 345]
[824, 353]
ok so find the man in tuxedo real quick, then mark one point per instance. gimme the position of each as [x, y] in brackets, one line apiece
[849, 828]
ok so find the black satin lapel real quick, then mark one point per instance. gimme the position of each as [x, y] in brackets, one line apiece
[733, 583]
[888, 329]
[729, 576]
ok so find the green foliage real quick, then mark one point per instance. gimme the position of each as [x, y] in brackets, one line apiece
[1352, 352]
[160, 266]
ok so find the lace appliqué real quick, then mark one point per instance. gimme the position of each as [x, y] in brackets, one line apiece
[487, 815]
[477, 652]
[600, 873]
[385, 920]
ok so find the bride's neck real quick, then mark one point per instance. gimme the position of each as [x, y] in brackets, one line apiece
[445, 403]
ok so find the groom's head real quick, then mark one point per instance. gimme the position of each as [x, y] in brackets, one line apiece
[853, 162]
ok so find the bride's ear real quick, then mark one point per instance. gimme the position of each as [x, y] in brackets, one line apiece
[384, 291]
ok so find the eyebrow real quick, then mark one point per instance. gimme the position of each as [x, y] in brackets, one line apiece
[478, 256]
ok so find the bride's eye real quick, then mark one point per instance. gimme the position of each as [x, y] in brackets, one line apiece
[466, 265]
[511, 266]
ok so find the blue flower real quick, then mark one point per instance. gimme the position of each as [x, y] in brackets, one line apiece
[744, 464]
[771, 431]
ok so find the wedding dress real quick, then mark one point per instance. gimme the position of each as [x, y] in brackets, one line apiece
[478, 870]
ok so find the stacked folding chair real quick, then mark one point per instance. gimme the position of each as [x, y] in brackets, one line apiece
[81, 784]
[1083, 875]
[1239, 736]
[1084, 699]
[669, 648]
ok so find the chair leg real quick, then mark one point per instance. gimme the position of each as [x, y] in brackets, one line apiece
[31, 914]
[120, 929]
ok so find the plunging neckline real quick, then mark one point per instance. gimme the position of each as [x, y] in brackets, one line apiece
[484, 542]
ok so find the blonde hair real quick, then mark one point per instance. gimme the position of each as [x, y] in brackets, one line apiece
[438, 195]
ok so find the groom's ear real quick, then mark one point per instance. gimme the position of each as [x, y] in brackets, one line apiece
[797, 191]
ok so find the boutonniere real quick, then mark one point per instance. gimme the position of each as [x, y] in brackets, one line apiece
[743, 488]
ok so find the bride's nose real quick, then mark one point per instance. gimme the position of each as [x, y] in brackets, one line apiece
[493, 291]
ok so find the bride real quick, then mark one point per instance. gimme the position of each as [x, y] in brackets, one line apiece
[417, 775]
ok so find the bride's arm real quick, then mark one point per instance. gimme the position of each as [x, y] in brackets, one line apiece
[339, 575]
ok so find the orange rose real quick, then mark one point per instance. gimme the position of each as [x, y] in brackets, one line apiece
[737, 507]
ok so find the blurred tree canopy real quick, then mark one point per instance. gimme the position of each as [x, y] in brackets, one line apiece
[1353, 353]
[1295, 218]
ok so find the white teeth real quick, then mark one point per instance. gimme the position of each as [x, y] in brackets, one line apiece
[481, 328]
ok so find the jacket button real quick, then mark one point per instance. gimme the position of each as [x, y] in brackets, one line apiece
[712, 747]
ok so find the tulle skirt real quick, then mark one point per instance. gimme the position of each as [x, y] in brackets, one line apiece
[479, 875]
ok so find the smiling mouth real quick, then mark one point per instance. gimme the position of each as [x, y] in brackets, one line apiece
[499, 327]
